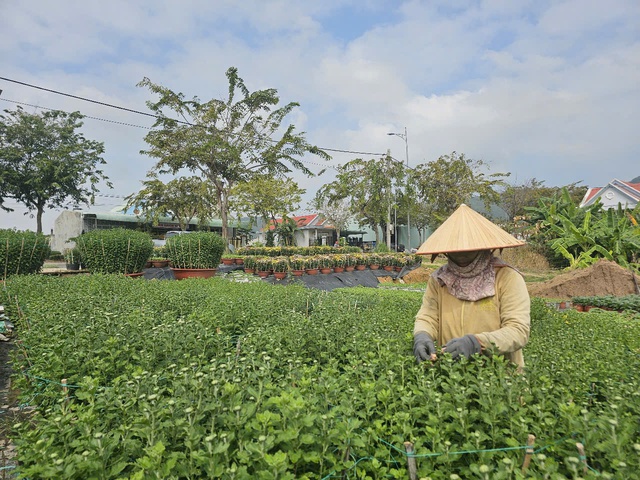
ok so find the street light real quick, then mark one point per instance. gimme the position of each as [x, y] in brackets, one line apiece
[406, 151]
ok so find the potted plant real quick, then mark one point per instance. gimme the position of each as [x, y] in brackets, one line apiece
[280, 266]
[116, 250]
[72, 258]
[325, 264]
[311, 266]
[195, 255]
[249, 264]
[349, 262]
[228, 259]
[338, 263]
[263, 266]
[374, 261]
[361, 261]
[297, 264]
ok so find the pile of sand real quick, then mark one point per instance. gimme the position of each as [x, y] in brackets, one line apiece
[602, 278]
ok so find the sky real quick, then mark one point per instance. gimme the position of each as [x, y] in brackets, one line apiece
[540, 89]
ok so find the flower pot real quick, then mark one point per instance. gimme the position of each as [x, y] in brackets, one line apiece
[325, 270]
[149, 264]
[297, 273]
[350, 268]
[374, 267]
[580, 308]
[239, 261]
[397, 269]
[311, 271]
[249, 270]
[279, 275]
[181, 273]
[562, 305]
[338, 269]
[360, 267]
[388, 268]
[160, 263]
[228, 261]
[134, 275]
[263, 273]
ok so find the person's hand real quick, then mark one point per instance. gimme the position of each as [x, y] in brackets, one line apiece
[423, 347]
[466, 346]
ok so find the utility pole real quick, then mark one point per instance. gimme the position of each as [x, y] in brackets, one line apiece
[388, 203]
[405, 137]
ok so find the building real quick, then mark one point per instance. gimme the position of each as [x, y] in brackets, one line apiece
[616, 192]
[71, 223]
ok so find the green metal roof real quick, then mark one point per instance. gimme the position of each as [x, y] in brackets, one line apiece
[121, 217]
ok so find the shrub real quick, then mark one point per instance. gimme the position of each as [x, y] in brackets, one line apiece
[116, 250]
[22, 252]
[55, 255]
[195, 250]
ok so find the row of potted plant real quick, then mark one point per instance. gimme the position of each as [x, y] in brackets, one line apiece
[608, 302]
[289, 251]
[300, 264]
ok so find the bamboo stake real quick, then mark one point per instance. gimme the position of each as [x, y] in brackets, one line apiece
[528, 452]
[582, 456]
[65, 389]
[411, 461]
[346, 457]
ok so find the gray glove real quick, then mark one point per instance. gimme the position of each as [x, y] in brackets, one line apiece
[423, 346]
[467, 346]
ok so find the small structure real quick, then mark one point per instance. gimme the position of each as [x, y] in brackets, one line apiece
[313, 229]
[616, 191]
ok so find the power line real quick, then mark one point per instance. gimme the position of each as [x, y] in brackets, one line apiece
[88, 100]
[85, 116]
[352, 152]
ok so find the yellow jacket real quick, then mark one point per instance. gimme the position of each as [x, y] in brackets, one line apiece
[502, 320]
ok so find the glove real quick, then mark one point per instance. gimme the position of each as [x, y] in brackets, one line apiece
[466, 346]
[423, 347]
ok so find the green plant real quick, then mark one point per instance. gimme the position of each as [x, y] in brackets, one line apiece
[22, 252]
[311, 263]
[249, 262]
[55, 255]
[114, 251]
[195, 250]
[297, 262]
[263, 264]
[324, 261]
[72, 256]
[280, 264]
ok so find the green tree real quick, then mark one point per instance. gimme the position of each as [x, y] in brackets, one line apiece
[337, 212]
[442, 185]
[265, 197]
[182, 199]
[226, 141]
[368, 185]
[46, 162]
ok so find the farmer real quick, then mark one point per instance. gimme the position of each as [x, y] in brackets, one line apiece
[475, 303]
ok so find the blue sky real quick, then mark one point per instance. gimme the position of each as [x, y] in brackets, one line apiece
[544, 89]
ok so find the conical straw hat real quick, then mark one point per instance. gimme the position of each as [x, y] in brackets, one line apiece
[467, 230]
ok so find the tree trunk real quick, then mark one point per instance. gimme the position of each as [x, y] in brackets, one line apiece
[39, 219]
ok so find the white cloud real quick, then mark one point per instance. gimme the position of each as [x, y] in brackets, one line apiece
[544, 89]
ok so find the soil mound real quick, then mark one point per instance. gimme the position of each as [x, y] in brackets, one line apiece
[602, 278]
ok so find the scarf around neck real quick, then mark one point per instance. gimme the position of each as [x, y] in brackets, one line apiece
[474, 281]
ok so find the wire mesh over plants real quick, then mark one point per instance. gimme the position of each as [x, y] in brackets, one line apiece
[22, 252]
[114, 251]
[196, 250]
